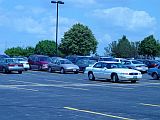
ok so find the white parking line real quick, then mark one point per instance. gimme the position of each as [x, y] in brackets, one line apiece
[97, 113]
[152, 105]
[17, 87]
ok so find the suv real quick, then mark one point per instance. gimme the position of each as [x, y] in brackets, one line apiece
[39, 62]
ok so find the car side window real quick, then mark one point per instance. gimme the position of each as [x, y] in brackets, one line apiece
[127, 63]
[98, 65]
[57, 62]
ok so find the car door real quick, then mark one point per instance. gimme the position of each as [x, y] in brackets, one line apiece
[55, 65]
[158, 71]
[97, 70]
[1, 66]
[105, 71]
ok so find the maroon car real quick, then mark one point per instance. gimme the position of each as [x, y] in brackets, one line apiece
[39, 62]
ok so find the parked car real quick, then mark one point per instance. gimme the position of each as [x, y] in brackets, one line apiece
[62, 65]
[107, 59]
[113, 71]
[83, 63]
[39, 62]
[151, 63]
[75, 58]
[4, 56]
[24, 61]
[154, 72]
[120, 60]
[7, 65]
[137, 65]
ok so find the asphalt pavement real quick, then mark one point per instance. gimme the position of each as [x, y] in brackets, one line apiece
[38, 95]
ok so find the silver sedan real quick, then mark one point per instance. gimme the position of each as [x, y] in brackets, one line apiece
[62, 65]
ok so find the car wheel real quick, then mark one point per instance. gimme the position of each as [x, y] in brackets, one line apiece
[62, 71]
[20, 72]
[155, 76]
[50, 69]
[115, 78]
[91, 76]
[4, 70]
[133, 81]
[76, 72]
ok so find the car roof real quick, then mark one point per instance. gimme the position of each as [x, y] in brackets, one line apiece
[108, 62]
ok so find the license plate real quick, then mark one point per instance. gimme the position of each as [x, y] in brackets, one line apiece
[74, 69]
[135, 77]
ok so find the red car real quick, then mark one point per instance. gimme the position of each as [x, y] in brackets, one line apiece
[39, 62]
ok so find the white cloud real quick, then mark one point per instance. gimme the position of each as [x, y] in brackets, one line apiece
[28, 24]
[126, 18]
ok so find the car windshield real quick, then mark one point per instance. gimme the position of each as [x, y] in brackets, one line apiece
[21, 59]
[114, 65]
[11, 60]
[65, 62]
[136, 62]
[45, 59]
[154, 62]
[86, 62]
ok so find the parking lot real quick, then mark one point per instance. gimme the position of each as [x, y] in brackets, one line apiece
[38, 95]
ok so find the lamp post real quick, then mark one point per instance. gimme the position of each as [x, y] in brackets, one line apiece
[57, 2]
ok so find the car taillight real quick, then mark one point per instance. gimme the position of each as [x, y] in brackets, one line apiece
[154, 65]
[11, 65]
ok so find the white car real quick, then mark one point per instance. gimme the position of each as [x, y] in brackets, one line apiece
[24, 62]
[137, 65]
[114, 71]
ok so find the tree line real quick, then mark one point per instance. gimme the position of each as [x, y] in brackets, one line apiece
[79, 40]
[149, 47]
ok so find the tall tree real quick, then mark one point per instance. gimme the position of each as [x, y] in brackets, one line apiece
[46, 47]
[149, 47]
[123, 48]
[78, 40]
[29, 51]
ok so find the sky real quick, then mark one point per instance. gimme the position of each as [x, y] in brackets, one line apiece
[26, 22]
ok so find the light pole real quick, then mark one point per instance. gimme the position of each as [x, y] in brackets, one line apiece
[57, 2]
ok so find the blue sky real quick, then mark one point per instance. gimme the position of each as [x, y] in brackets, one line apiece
[25, 22]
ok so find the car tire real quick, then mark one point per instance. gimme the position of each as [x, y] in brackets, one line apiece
[62, 71]
[19, 72]
[155, 76]
[76, 72]
[115, 78]
[4, 70]
[133, 81]
[50, 69]
[91, 76]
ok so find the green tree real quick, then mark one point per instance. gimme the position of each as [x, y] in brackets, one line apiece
[78, 40]
[149, 47]
[29, 51]
[15, 51]
[123, 48]
[112, 49]
[46, 47]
